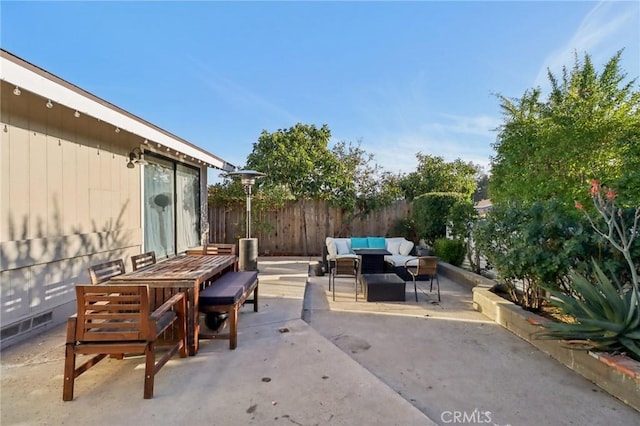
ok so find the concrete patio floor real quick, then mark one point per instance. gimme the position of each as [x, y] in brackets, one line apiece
[304, 359]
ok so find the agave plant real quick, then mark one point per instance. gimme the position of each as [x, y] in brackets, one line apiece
[607, 316]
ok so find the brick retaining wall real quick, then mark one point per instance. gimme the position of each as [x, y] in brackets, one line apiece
[618, 375]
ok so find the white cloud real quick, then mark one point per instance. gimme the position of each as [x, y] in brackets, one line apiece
[401, 122]
[236, 94]
[466, 138]
[476, 125]
[607, 28]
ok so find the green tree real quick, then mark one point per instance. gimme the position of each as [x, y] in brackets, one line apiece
[365, 186]
[482, 187]
[299, 161]
[589, 125]
[431, 212]
[227, 193]
[300, 166]
[230, 194]
[434, 174]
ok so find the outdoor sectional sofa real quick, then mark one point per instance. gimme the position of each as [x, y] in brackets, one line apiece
[400, 248]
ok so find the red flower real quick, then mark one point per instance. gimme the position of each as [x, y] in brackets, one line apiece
[611, 194]
[595, 187]
[579, 206]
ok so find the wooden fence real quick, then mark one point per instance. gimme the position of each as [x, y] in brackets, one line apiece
[282, 232]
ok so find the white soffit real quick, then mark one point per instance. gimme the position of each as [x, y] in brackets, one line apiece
[88, 104]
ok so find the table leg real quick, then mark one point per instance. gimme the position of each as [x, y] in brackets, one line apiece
[193, 320]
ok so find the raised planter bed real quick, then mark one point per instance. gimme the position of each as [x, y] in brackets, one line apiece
[616, 374]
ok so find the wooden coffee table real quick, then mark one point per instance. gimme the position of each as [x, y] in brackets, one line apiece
[383, 287]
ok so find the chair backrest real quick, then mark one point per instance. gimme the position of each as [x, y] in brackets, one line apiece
[427, 265]
[144, 259]
[113, 313]
[103, 272]
[219, 249]
[346, 266]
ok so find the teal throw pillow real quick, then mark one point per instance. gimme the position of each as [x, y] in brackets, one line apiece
[358, 242]
[377, 242]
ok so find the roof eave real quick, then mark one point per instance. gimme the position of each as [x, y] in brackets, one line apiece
[27, 76]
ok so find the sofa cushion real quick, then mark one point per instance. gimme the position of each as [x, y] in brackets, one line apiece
[228, 289]
[406, 247]
[342, 246]
[399, 260]
[377, 242]
[393, 241]
[358, 242]
[216, 295]
[347, 256]
[411, 261]
[397, 246]
[393, 247]
[332, 250]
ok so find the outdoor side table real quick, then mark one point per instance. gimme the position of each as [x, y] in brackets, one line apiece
[383, 288]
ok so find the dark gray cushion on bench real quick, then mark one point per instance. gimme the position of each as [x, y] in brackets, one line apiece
[228, 289]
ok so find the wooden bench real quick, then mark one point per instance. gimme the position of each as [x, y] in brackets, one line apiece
[116, 320]
[227, 294]
[103, 272]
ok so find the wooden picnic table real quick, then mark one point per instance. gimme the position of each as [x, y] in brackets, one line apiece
[187, 274]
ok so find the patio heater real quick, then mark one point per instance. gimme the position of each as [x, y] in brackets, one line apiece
[248, 247]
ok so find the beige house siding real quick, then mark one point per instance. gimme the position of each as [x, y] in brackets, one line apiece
[67, 199]
[66, 204]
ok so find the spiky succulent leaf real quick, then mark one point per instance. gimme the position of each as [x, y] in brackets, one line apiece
[606, 316]
[632, 346]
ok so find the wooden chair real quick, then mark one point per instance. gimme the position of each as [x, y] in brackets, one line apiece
[114, 320]
[423, 266]
[344, 267]
[103, 272]
[219, 248]
[144, 259]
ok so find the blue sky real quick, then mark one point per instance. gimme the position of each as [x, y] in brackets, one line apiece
[399, 77]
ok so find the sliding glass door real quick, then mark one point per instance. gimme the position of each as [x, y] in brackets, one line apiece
[171, 206]
[187, 207]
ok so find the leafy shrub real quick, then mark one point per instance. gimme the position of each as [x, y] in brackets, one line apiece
[404, 227]
[461, 221]
[530, 247]
[461, 218]
[450, 251]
